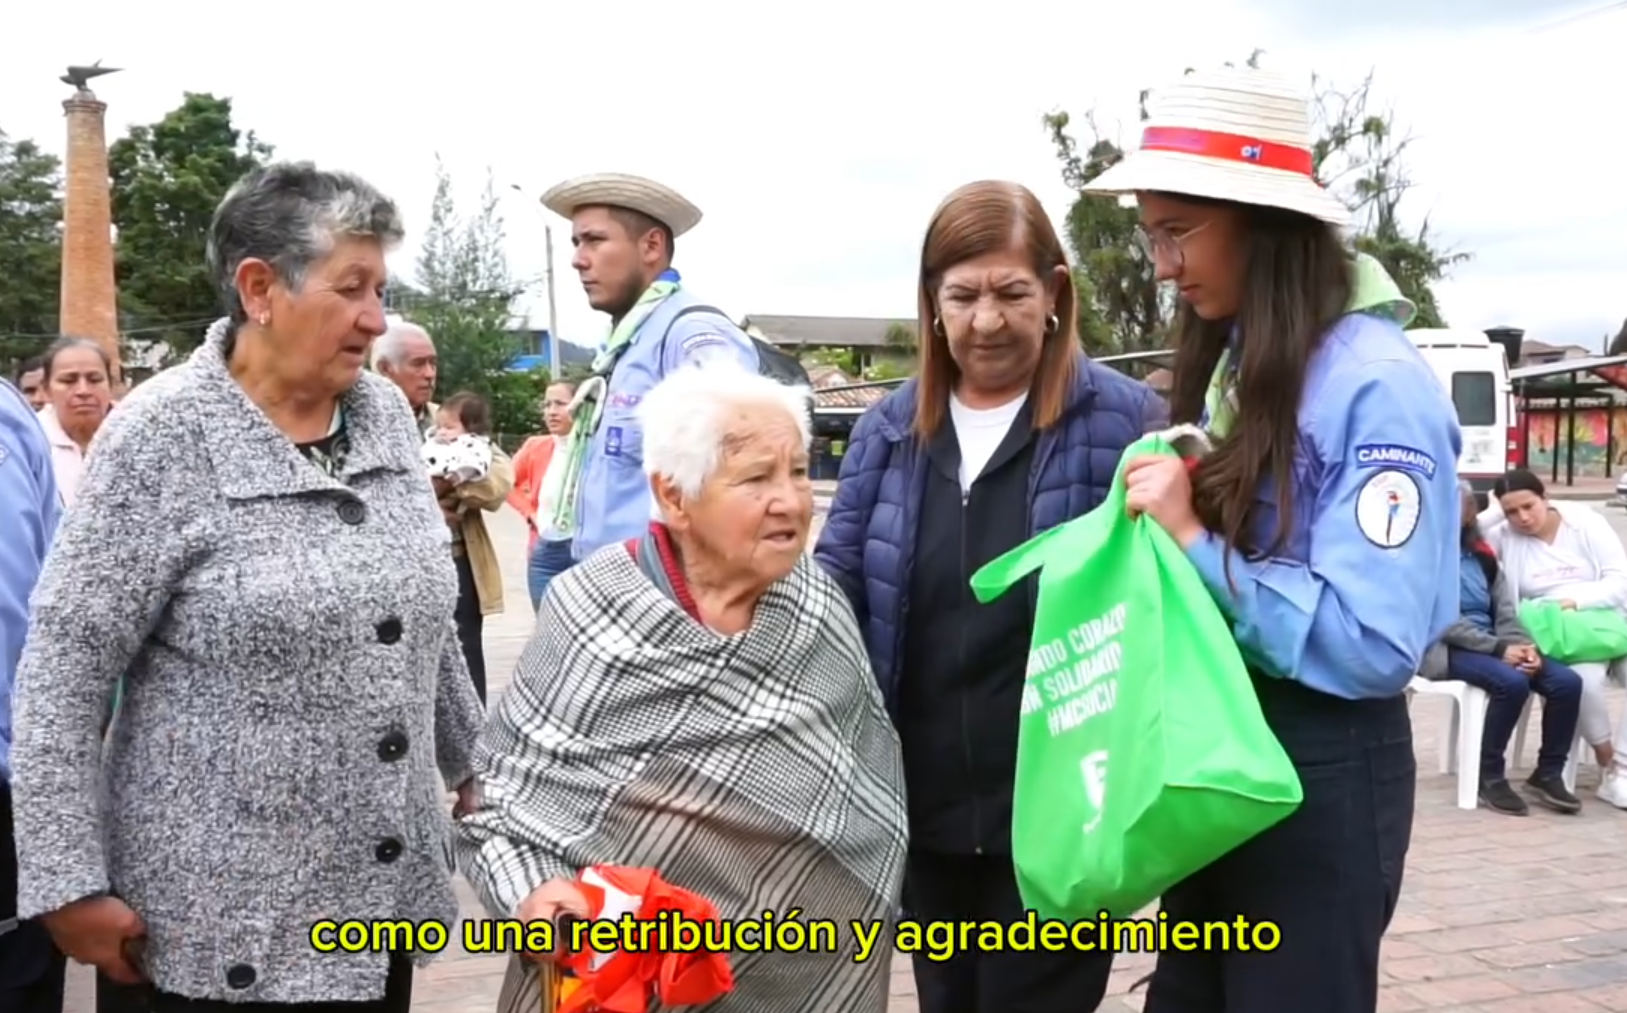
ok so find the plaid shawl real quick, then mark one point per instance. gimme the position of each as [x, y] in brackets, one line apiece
[758, 770]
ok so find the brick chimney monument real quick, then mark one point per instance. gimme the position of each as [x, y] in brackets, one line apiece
[89, 297]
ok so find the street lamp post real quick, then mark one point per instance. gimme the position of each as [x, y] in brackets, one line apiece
[548, 277]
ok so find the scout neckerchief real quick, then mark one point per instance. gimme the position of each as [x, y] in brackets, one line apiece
[588, 404]
[1373, 291]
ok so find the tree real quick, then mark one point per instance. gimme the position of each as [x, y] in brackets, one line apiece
[30, 248]
[463, 296]
[1360, 155]
[1357, 153]
[167, 179]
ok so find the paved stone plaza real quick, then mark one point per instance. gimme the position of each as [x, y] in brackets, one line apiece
[1499, 915]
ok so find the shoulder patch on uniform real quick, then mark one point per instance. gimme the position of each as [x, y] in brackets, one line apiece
[1388, 508]
[1395, 456]
[702, 339]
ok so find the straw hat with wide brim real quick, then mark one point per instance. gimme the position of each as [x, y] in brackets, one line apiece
[616, 189]
[1240, 135]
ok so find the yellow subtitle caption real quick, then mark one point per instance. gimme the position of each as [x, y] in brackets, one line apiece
[673, 932]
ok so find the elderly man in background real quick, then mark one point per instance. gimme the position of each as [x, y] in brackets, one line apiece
[405, 355]
[252, 550]
[31, 967]
[625, 229]
[697, 700]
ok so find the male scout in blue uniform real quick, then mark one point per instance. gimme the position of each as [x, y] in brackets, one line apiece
[623, 229]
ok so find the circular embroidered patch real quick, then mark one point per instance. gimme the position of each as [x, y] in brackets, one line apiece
[1388, 508]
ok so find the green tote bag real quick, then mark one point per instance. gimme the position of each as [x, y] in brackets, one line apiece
[1575, 635]
[1142, 755]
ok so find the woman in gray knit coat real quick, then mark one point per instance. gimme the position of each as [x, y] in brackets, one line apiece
[256, 550]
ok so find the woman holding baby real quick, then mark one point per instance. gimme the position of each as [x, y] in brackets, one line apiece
[251, 550]
[471, 475]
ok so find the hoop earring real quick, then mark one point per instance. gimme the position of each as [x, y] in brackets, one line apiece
[937, 326]
[1053, 323]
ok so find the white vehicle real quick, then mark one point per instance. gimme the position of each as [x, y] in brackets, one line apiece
[1473, 370]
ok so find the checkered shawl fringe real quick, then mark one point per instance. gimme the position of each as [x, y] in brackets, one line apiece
[759, 770]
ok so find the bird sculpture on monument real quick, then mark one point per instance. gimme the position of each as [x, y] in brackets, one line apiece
[80, 77]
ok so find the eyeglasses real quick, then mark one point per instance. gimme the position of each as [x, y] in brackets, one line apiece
[1162, 244]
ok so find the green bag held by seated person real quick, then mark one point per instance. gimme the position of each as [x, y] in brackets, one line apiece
[1575, 635]
[1142, 754]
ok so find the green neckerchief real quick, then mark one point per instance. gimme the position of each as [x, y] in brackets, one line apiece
[1372, 291]
[587, 405]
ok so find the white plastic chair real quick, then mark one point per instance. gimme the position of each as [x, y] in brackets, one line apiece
[1461, 738]
[1462, 735]
[1580, 750]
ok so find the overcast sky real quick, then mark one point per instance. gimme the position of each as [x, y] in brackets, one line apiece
[817, 147]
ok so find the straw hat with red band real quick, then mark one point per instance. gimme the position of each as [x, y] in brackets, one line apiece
[1241, 135]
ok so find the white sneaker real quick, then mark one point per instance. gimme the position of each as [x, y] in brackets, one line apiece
[1613, 788]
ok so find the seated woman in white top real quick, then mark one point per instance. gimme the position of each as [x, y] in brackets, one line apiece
[1567, 553]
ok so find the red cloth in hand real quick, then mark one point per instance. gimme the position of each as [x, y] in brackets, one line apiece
[628, 981]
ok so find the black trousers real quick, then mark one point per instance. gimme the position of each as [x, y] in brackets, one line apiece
[471, 625]
[1328, 877]
[32, 969]
[957, 888]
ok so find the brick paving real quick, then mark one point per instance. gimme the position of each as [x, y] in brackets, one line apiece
[1499, 915]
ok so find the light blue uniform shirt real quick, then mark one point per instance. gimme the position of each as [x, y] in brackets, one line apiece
[30, 508]
[614, 502]
[1368, 577]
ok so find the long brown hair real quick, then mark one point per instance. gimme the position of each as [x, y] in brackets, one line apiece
[976, 220]
[1296, 285]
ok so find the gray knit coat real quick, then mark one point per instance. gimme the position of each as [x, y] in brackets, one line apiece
[293, 682]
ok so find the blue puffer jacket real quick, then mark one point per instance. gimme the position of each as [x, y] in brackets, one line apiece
[868, 543]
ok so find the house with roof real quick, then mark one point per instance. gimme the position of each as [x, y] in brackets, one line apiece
[857, 344]
[572, 357]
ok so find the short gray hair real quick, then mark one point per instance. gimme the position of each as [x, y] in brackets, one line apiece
[387, 346]
[684, 417]
[290, 215]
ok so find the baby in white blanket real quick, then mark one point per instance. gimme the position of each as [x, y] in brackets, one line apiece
[458, 449]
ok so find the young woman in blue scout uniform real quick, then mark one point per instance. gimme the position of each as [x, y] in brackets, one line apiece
[1324, 521]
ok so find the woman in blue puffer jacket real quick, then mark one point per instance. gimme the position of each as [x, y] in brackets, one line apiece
[1009, 430]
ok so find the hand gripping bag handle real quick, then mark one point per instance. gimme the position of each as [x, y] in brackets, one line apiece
[1085, 533]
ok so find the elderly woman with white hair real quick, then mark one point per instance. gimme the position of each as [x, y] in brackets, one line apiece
[698, 701]
[255, 550]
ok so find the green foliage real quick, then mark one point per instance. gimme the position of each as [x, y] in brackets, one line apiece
[1120, 309]
[30, 249]
[1357, 154]
[463, 297]
[844, 359]
[515, 402]
[902, 335]
[1361, 155]
[167, 179]
[575, 373]
[890, 369]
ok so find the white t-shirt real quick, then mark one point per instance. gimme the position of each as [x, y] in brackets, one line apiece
[1552, 570]
[980, 431]
[1585, 563]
